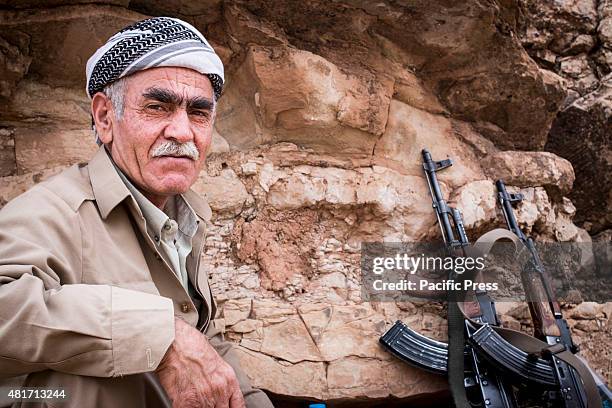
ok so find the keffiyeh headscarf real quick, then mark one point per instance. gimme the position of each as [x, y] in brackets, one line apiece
[155, 42]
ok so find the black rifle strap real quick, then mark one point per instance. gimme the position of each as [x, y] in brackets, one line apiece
[525, 342]
[456, 345]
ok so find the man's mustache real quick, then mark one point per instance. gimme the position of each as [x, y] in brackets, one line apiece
[172, 148]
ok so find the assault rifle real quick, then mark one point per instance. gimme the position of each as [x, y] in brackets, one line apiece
[465, 367]
[486, 365]
[548, 321]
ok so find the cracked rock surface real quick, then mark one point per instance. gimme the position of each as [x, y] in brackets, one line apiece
[317, 147]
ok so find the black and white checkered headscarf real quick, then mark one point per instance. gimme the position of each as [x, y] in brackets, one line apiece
[155, 42]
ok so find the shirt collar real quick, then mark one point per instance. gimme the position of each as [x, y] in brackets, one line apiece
[180, 210]
[106, 184]
[109, 190]
[154, 217]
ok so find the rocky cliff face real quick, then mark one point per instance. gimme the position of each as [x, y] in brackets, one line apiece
[316, 150]
[574, 40]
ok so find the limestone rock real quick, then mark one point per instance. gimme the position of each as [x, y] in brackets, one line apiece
[297, 191]
[225, 193]
[62, 147]
[582, 77]
[409, 130]
[38, 103]
[247, 326]
[564, 228]
[481, 99]
[8, 164]
[510, 322]
[235, 311]
[341, 331]
[345, 338]
[591, 118]
[604, 33]
[556, 24]
[585, 310]
[271, 312]
[26, 4]
[605, 12]
[247, 28]
[603, 60]
[465, 61]
[412, 91]
[527, 169]
[14, 62]
[289, 340]
[477, 202]
[201, 11]
[304, 379]
[369, 378]
[560, 36]
[281, 244]
[535, 210]
[218, 144]
[301, 97]
[603, 252]
[56, 35]
[383, 189]
[581, 44]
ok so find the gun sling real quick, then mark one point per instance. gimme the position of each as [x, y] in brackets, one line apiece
[456, 361]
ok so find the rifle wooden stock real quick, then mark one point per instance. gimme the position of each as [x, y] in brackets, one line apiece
[544, 321]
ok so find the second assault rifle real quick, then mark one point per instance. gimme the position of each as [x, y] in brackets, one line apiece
[548, 321]
[493, 359]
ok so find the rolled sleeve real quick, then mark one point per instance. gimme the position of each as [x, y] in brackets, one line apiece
[142, 328]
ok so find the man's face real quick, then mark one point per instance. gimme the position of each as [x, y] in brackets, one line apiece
[161, 106]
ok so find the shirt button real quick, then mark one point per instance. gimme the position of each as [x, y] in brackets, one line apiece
[185, 307]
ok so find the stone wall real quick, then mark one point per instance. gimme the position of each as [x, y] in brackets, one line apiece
[317, 149]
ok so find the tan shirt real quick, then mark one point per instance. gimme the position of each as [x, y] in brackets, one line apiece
[72, 261]
[85, 291]
[173, 235]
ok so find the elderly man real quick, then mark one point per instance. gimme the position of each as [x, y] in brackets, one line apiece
[102, 291]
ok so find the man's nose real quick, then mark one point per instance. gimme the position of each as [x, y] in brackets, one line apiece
[179, 127]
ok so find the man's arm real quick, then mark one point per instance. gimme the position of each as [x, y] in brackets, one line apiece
[194, 375]
[254, 397]
[48, 320]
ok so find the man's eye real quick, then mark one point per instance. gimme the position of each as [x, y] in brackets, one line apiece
[155, 107]
[203, 114]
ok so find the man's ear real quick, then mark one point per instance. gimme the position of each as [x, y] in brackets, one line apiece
[101, 110]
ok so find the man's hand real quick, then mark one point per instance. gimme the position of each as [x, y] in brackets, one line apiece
[194, 375]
